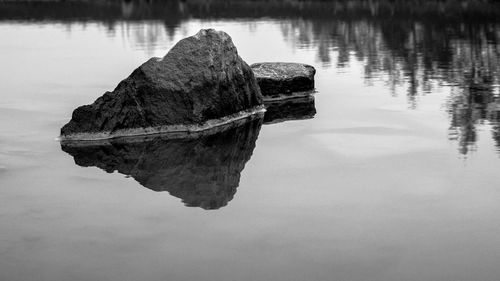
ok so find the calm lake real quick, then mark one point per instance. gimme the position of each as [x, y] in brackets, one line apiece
[391, 171]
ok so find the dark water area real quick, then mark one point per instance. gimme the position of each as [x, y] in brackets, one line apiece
[204, 171]
[388, 172]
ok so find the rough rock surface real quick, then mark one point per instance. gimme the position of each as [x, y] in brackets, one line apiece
[283, 78]
[204, 172]
[200, 79]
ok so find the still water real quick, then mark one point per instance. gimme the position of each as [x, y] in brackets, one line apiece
[389, 173]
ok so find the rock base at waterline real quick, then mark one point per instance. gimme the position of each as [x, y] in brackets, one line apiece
[283, 79]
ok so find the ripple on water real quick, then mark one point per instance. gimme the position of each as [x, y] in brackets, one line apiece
[374, 142]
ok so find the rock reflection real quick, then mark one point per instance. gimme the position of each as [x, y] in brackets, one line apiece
[289, 109]
[203, 171]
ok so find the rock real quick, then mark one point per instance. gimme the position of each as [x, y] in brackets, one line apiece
[201, 82]
[204, 171]
[289, 109]
[283, 79]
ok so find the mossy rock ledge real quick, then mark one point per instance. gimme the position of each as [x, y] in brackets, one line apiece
[200, 83]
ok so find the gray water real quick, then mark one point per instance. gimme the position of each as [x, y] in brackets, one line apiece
[389, 173]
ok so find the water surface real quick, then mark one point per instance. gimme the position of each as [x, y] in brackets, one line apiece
[389, 173]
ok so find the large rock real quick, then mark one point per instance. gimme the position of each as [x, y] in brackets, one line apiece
[284, 79]
[204, 171]
[201, 82]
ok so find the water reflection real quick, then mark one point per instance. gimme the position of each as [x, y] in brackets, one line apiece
[476, 104]
[204, 171]
[418, 46]
[420, 49]
[290, 109]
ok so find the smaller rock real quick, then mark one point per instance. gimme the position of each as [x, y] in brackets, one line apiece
[284, 79]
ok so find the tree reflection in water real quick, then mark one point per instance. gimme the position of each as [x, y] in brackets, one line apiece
[419, 47]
